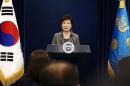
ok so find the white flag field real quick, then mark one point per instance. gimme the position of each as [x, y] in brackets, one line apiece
[11, 56]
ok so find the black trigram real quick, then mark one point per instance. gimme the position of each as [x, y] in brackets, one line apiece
[6, 56]
[7, 10]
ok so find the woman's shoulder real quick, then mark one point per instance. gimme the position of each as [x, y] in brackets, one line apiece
[75, 35]
[58, 34]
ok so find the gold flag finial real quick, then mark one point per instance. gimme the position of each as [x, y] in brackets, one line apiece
[6, 1]
[122, 4]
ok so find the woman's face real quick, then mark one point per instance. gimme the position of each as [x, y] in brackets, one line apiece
[66, 25]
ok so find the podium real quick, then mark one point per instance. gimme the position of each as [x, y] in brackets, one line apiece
[81, 57]
[56, 52]
[58, 48]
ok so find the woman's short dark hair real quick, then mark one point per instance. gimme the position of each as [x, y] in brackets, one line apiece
[66, 17]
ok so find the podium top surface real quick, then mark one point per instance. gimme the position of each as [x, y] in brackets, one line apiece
[58, 48]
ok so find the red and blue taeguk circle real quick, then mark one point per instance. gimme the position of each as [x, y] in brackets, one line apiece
[9, 34]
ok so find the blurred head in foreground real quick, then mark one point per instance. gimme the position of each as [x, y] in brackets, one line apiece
[123, 77]
[59, 74]
[38, 59]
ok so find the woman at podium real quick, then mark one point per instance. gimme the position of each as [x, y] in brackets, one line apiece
[66, 35]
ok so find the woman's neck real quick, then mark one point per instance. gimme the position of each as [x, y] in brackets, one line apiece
[66, 34]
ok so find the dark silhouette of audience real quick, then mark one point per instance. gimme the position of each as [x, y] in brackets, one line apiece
[123, 76]
[41, 71]
[38, 59]
[59, 73]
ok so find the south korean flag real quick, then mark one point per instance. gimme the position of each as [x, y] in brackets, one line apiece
[11, 56]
